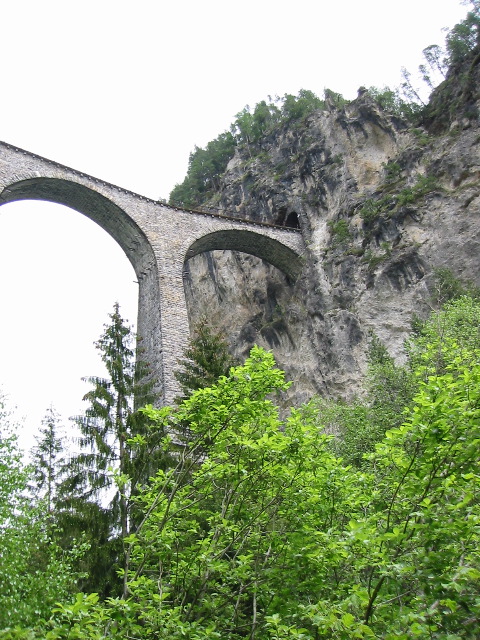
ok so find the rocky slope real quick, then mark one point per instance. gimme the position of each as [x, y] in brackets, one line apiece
[381, 205]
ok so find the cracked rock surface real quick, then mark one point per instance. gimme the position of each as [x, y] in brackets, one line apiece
[381, 205]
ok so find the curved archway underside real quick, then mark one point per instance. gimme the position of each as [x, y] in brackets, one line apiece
[268, 249]
[91, 204]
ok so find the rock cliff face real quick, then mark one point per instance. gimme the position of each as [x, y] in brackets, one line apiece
[381, 205]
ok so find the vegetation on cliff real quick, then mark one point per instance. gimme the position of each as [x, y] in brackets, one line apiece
[206, 358]
[234, 519]
[267, 527]
[251, 125]
[206, 166]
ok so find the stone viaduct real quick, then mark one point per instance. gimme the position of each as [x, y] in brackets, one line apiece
[156, 238]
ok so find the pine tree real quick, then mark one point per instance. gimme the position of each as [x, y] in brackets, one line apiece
[206, 358]
[48, 459]
[109, 466]
[35, 572]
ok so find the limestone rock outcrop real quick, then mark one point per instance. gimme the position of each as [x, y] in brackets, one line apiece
[382, 206]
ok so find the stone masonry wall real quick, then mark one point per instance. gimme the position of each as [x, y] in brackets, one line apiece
[157, 239]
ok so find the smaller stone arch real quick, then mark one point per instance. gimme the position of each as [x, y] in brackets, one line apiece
[256, 244]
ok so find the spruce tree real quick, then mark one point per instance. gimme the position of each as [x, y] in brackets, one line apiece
[108, 470]
[48, 459]
[206, 358]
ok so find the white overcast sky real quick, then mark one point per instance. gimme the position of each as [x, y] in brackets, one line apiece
[123, 91]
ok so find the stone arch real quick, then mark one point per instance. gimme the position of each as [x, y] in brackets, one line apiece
[93, 205]
[130, 237]
[256, 244]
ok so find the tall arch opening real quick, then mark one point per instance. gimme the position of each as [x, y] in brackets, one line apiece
[91, 204]
[60, 274]
[245, 287]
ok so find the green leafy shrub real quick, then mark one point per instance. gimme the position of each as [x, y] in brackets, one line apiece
[339, 230]
[392, 171]
[448, 287]
[391, 101]
[453, 329]
[373, 260]
[463, 37]
[261, 531]
[34, 570]
[372, 208]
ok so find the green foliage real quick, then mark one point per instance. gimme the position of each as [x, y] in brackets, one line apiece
[295, 108]
[13, 474]
[460, 42]
[424, 184]
[427, 527]
[211, 530]
[421, 136]
[453, 329]
[340, 231]
[249, 126]
[392, 172]
[34, 571]
[448, 287]
[206, 358]
[205, 167]
[358, 426]
[436, 64]
[390, 387]
[411, 545]
[112, 418]
[333, 99]
[115, 458]
[48, 460]
[259, 531]
[374, 207]
[463, 37]
[372, 259]
[391, 101]
[411, 91]
[272, 537]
